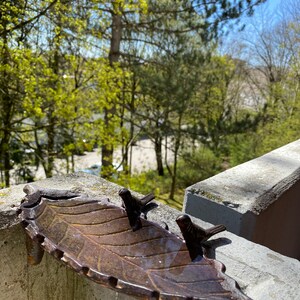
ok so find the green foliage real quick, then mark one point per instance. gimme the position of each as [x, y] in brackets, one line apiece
[242, 147]
[73, 75]
[197, 165]
[144, 182]
[193, 166]
[150, 181]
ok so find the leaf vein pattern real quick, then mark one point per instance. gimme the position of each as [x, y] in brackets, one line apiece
[103, 248]
[136, 243]
[83, 213]
[100, 223]
[73, 204]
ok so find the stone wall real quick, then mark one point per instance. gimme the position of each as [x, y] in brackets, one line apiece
[261, 273]
[258, 200]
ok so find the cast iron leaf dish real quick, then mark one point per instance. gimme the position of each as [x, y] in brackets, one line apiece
[95, 238]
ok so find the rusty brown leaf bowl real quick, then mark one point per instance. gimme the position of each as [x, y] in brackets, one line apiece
[94, 237]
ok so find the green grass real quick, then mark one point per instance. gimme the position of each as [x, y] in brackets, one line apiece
[176, 203]
[150, 182]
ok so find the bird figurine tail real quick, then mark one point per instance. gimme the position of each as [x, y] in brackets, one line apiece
[215, 229]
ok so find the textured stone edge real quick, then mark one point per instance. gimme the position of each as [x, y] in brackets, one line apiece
[270, 196]
[243, 191]
[260, 272]
[10, 198]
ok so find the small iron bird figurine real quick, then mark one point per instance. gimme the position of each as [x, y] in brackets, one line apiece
[135, 207]
[195, 235]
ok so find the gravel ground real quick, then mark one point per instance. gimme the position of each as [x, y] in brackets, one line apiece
[143, 159]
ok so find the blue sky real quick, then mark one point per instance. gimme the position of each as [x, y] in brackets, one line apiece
[270, 10]
[272, 4]
[271, 7]
[265, 15]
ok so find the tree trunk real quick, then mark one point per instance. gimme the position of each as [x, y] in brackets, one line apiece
[158, 145]
[174, 173]
[128, 157]
[107, 149]
[6, 110]
[125, 143]
[6, 158]
[176, 150]
[50, 148]
[159, 156]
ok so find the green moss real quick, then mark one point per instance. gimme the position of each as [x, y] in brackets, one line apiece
[4, 194]
[210, 196]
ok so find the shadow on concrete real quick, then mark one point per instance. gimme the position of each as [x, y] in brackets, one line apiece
[211, 246]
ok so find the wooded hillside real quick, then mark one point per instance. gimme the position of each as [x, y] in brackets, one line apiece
[79, 74]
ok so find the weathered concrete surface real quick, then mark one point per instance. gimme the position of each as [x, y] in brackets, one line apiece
[258, 200]
[262, 273]
[51, 280]
[253, 185]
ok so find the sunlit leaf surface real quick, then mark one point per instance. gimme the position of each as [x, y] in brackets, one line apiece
[95, 239]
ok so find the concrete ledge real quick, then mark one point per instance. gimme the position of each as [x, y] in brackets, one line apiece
[258, 200]
[261, 273]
